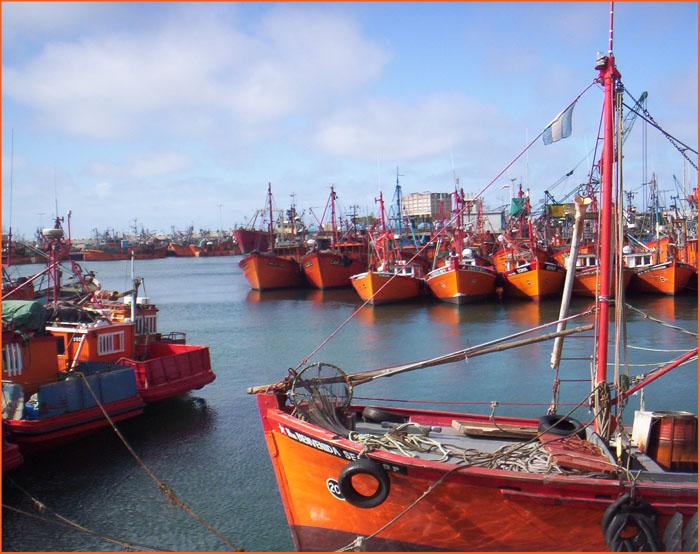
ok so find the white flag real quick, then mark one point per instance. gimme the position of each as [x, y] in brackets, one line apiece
[559, 128]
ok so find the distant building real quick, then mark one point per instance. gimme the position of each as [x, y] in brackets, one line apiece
[427, 205]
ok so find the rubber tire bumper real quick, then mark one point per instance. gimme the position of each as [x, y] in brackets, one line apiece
[364, 466]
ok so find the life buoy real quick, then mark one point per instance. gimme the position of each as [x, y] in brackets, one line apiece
[378, 415]
[364, 466]
[627, 515]
[568, 426]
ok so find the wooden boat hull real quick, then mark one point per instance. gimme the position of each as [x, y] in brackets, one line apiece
[665, 278]
[250, 240]
[325, 270]
[265, 272]
[371, 283]
[534, 281]
[462, 284]
[473, 509]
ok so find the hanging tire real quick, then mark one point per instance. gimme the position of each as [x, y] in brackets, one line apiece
[568, 426]
[377, 416]
[626, 513]
[364, 466]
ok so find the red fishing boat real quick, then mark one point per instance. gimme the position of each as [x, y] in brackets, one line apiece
[464, 276]
[391, 278]
[356, 477]
[11, 456]
[250, 240]
[279, 266]
[209, 247]
[44, 406]
[107, 252]
[106, 327]
[180, 250]
[332, 262]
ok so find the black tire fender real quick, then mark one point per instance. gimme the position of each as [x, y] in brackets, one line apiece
[568, 426]
[378, 415]
[367, 467]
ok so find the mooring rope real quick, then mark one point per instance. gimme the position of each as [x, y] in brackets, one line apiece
[65, 522]
[170, 495]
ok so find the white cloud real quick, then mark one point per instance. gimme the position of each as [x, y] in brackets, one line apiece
[394, 130]
[112, 85]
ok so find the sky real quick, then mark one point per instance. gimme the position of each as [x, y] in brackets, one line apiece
[165, 115]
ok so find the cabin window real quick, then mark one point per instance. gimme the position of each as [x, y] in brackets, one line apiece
[12, 360]
[110, 343]
[60, 345]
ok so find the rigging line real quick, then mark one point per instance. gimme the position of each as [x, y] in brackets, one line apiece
[169, 493]
[665, 324]
[442, 230]
[654, 349]
[71, 525]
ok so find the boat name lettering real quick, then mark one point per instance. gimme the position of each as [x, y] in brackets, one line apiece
[317, 444]
[276, 264]
[335, 262]
[330, 449]
[551, 267]
[522, 269]
[308, 264]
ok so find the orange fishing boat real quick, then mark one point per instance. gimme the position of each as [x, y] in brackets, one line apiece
[661, 278]
[586, 276]
[180, 250]
[356, 477]
[528, 278]
[266, 271]
[525, 270]
[392, 278]
[465, 276]
[331, 263]
[279, 266]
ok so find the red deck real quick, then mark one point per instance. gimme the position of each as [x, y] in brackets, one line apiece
[172, 369]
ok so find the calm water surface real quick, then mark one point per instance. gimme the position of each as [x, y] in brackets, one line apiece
[208, 445]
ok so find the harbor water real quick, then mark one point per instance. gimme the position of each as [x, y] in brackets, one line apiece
[208, 447]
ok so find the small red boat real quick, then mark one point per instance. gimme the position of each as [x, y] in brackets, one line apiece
[45, 406]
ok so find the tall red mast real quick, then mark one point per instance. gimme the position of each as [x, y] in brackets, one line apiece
[608, 76]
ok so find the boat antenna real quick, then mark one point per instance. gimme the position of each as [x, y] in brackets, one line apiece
[610, 37]
[12, 165]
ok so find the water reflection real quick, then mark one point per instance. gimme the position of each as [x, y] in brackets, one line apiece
[257, 296]
[345, 295]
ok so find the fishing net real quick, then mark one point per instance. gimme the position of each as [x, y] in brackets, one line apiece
[321, 393]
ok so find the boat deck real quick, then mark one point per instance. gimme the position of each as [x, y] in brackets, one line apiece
[457, 440]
